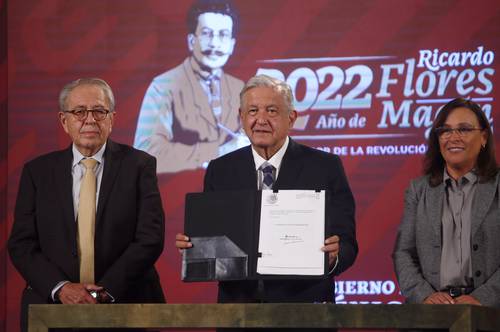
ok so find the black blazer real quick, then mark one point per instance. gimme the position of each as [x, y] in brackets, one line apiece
[302, 168]
[129, 231]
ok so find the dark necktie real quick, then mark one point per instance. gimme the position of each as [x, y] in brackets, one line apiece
[268, 177]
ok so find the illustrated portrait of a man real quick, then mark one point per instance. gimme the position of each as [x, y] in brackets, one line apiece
[189, 113]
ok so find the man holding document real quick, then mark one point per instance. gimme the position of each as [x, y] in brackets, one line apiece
[275, 161]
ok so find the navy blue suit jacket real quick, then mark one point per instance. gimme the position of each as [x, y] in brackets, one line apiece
[302, 168]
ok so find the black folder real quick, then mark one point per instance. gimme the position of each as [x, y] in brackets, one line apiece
[224, 229]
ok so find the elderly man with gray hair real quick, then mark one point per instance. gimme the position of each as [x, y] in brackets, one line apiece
[275, 161]
[88, 222]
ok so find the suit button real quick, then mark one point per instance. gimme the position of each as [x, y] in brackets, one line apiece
[475, 247]
[478, 273]
[74, 254]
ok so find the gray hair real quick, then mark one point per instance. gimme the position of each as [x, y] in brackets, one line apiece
[267, 81]
[63, 96]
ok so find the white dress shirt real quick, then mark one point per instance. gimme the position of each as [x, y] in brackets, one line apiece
[78, 170]
[275, 160]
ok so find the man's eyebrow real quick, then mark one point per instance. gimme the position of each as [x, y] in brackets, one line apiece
[92, 106]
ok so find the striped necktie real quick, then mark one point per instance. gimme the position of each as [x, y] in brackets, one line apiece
[267, 175]
[214, 87]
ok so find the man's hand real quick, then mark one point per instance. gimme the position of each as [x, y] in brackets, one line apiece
[332, 247]
[182, 242]
[103, 297]
[439, 298]
[467, 299]
[73, 293]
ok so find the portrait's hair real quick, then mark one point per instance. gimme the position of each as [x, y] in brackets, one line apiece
[63, 96]
[211, 6]
[486, 165]
[278, 85]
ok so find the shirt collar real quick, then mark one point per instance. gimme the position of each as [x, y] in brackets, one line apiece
[470, 177]
[77, 156]
[203, 74]
[275, 160]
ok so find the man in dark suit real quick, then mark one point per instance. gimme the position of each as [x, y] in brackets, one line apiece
[267, 116]
[88, 223]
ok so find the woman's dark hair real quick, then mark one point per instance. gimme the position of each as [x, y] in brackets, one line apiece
[434, 163]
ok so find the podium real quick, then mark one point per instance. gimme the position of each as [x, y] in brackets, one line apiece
[455, 318]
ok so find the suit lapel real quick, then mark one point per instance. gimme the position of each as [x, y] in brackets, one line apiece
[113, 158]
[482, 201]
[64, 183]
[229, 105]
[246, 170]
[291, 167]
[434, 206]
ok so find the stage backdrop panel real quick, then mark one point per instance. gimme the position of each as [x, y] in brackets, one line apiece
[369, 78]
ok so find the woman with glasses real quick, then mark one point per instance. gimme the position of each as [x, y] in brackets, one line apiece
[448, 245]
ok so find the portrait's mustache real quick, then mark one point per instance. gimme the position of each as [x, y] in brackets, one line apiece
[213, 52]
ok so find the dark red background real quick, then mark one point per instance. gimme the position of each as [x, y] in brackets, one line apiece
[128, 42]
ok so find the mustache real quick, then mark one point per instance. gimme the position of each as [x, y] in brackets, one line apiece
[213, 52]
[89, 128]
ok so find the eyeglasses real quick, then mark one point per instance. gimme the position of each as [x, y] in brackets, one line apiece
[208, 34]
[446, 132]
[81, 114]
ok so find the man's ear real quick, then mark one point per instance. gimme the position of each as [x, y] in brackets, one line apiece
[231, 49]
[292, 116]
[190, 41]
[64, 121]
[112, 121]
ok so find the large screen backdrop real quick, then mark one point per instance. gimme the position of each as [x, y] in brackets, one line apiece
[369, 78]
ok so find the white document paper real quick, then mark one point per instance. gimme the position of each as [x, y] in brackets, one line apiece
[292, 232]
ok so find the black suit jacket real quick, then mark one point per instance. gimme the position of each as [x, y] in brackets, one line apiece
[302, 168]
[129, 230]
